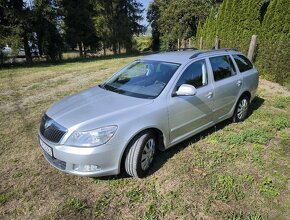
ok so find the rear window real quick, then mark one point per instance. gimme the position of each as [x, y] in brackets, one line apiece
[222, 67]
[243, 63]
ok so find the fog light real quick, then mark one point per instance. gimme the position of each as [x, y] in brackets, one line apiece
[86, 168]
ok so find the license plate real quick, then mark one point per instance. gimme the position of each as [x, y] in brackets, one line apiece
[45, 147]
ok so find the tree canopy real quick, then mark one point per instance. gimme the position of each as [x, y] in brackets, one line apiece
[172, 20]
[238, 20]
[49, 26]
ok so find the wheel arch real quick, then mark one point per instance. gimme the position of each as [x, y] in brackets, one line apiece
[159, 137]
[246, 93]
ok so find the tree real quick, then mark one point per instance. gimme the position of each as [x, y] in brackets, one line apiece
[232, 23]
[179, 19]
[16, 28]
[250, 24]
[101, 22]
[128, 17]
[209, 30]
[274, 42]
[219, 20]
[116, 21]
[153, 15]
[10, 27]
[49, 40]
[225, 23]
[79, 26]
[199, 34]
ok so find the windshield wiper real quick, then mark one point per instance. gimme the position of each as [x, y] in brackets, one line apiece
[110, 88]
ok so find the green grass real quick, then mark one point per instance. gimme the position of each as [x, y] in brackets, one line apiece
[101, 205]
[231, 171]
[282, 102]
[75, 204]
[268, 189]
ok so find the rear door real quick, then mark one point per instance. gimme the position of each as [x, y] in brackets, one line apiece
[248, 73]
[227, 85]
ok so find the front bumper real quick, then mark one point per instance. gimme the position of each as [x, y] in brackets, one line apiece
[104, 159]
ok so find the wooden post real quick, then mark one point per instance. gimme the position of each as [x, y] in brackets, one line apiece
[201, 43]
[216, 43]
[189, 42]
[178, 44]
[252, 47]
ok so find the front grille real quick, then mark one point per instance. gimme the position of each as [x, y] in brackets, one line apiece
[56, 162]
[51, 130]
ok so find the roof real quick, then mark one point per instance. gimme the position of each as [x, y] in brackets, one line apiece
[183, 56]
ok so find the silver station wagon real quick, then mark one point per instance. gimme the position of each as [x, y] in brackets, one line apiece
[151, 104]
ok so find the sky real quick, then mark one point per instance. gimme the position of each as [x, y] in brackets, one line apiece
[145, 5]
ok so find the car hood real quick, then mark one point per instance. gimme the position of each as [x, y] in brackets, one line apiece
[91, 105]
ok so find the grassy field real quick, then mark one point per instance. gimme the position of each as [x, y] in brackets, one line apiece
[231, 171]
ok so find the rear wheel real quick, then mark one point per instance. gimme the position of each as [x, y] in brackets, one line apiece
[242, 109]
[140, 154]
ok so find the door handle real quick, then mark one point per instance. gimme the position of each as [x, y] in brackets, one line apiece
[209, 95]
[239, 83]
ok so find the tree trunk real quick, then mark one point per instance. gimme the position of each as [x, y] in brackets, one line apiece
[60, 56]
[85, 51]
[1, 58]
[81, 49]
[27, 49]
[119, 48]
[104, 48]
[39, 44]
[115, 48]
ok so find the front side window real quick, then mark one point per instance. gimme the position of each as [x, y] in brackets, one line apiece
[195, 74]
[222, 67]
[243, 63]
[142, 78]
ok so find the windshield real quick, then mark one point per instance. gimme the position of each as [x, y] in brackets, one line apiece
[142, 78]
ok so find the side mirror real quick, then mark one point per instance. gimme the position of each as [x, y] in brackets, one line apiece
[186, 90]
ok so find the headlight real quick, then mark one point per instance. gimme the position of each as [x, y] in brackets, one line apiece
[91, 138]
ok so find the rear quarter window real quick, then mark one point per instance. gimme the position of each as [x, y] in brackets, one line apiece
[243, 63]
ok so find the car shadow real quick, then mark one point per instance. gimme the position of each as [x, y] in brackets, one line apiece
[162, 157]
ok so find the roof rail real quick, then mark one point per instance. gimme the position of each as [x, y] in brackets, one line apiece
[211, 51]
[182, 49]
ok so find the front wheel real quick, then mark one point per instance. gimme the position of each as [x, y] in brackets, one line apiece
[242, 109]
[140, 154]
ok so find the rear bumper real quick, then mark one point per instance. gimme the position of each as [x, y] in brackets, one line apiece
[91, 161]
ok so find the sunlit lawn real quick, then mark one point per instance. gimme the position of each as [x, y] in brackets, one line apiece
[235, 171]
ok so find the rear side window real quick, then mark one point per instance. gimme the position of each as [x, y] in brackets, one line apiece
[195, 74]
[222, 67]
[243, 63]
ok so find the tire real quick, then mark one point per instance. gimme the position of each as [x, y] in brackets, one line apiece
[140, 154]
[242, 109]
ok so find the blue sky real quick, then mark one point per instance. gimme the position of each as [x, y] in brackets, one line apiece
[145, 5]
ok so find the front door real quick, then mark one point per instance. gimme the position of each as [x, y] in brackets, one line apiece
[190, 114]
